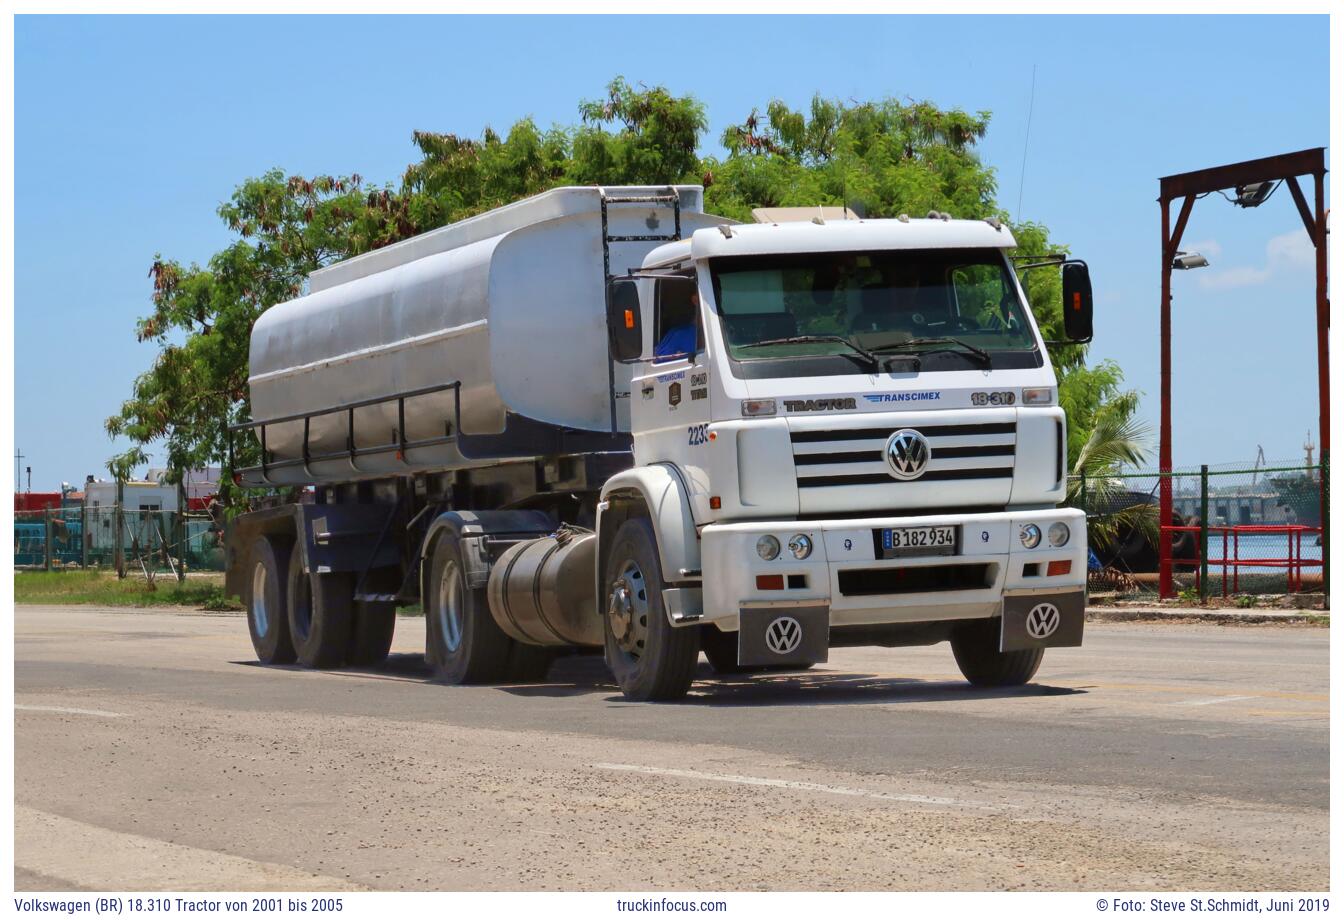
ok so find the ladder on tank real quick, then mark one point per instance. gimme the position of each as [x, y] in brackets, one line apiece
[670, 197]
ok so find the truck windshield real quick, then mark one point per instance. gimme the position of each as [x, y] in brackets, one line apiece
[895, 302]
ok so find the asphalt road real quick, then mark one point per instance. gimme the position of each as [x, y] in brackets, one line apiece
[152, 752]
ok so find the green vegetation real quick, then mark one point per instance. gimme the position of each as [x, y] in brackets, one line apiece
[883, 158]
[104, 588]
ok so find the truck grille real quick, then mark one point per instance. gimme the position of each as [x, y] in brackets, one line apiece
[850, 457]
[916, 580]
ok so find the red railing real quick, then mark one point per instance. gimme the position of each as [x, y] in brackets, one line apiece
[1231, 535]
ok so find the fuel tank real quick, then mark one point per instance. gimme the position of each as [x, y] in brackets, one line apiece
[541, 591]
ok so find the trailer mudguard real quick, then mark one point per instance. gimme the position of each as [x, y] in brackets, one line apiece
[327, 538]
[663, 493]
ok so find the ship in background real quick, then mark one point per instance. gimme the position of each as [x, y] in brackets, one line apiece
[1299, 493]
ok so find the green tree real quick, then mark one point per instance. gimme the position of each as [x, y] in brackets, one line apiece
[884, 158]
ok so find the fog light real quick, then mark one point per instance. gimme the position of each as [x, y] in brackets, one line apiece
[801, 546]
[1030, 535]
[767, 547]
[1058, 534]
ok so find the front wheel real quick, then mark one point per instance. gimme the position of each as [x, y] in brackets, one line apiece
[649, 657]
[975, 645]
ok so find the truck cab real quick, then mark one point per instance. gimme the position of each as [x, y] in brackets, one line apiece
[845, 432]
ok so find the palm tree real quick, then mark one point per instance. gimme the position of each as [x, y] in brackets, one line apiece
[1117, 439]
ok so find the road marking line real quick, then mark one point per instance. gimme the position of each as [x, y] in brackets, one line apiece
[1220, 699]
[801, 785]
[102, 713]
[106, 860]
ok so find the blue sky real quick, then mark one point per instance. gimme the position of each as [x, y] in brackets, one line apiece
[131, 130]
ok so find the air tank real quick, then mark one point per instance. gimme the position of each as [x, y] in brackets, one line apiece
[541, 591]
[510, 304]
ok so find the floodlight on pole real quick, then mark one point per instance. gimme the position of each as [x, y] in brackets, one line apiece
[1253, 194]
[1188, 260]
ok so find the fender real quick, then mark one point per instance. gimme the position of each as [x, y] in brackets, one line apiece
[470, 527]
[664, 495]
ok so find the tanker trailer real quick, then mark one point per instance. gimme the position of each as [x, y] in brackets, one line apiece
[603, 419]
[449, 394]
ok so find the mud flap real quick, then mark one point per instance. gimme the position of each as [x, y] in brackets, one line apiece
[783, 635]
[1042, 621]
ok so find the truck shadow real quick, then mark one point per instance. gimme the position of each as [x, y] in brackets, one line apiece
[587, 674]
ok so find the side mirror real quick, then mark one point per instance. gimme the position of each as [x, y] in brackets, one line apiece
[1077, 302]
[625, 330]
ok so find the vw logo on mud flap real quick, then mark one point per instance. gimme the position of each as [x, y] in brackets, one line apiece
[1042, 621]
[783, 635]
[907, 454]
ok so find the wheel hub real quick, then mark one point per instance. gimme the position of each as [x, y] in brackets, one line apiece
[628, 610]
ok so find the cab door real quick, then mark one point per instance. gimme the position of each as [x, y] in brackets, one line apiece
[669, 393]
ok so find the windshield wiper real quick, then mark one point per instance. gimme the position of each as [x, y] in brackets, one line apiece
[858, 349]
[979, 353]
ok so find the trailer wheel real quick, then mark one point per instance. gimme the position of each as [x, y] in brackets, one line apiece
[650, 659]
[374, 623]
[462, 642]
[267, 601]
[975, 645]
[320, 616]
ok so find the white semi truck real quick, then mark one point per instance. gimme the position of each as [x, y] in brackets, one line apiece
[604, 419]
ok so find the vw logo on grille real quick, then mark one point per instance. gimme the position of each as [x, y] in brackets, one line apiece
[1042, 621]
[908, 454]
[783, 635]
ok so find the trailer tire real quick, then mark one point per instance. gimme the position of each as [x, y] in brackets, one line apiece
[267, 600]
[374, 622]
[463, 644]
[649, 657]
[975, 646]
[321, 616]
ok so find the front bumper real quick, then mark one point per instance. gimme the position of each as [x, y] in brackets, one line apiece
[845, 574]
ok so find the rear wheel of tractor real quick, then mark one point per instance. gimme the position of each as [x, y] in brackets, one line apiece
[463, 644]
[649, 657]
[976, 648]
[374, 622]
[320, 616]
[267, 603]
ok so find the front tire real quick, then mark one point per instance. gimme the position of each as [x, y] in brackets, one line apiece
[320, 616]
[649, 657]
[267, 600]
[463, 644]
[975, 645]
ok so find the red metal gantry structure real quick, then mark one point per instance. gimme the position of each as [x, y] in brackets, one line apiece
[1189, 187]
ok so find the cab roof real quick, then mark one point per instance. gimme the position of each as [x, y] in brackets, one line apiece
[833, 236]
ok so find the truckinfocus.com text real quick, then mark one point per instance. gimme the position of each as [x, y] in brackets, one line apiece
[656, 905]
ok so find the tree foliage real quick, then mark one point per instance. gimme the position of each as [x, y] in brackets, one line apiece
[883, 158]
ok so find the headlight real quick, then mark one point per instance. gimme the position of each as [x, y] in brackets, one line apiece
[1030, 535]
[1058, 534]
[801, 546]
[767, 547]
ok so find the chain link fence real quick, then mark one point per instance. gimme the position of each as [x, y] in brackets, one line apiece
[122, 539]
[1234, 530]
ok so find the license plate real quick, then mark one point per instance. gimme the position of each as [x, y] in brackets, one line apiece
[938, 540]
